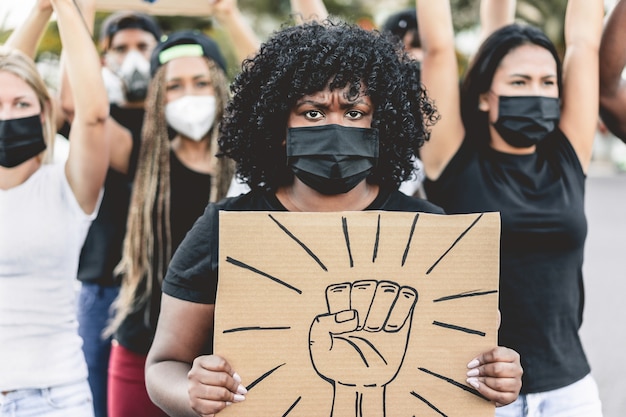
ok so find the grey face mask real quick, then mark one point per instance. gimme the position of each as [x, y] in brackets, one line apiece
[332, 159]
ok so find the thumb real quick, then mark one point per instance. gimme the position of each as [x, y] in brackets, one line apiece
[325, 325]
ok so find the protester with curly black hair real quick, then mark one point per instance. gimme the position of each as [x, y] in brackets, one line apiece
[323, 118]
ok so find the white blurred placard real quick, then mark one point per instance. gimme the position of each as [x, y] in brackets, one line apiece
[158, 7]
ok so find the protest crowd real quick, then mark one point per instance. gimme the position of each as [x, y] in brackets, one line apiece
[111, 184]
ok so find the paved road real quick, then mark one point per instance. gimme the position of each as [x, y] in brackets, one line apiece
[604, 326]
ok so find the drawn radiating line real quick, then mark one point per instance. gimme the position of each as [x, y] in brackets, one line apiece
[292, 406]
[458, 239]
[262, 377]
[375, 254]
[459, 328]
[299, 242]
[250, 328]
[465, 294]
[346, 235]
[259, 272]
[453, 382]
[428, 403]
[408, 243]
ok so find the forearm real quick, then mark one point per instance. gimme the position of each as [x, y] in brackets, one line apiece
[495, 14]
[435, 26]
[583, 23]
[305, 10]
[358, 402]
[167, 387]
[612, 52]
[26, 36]
[81, 64]
[243, 37]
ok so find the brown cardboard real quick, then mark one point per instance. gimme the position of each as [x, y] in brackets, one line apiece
[275, 268]
[198, 8]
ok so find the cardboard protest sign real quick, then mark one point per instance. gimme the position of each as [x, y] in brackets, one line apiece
[350, 314]
[157, 7]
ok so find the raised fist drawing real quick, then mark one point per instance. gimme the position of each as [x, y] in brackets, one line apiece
[359, 345]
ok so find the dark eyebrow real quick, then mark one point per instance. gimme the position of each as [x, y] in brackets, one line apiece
[322, 105]
[528, 77]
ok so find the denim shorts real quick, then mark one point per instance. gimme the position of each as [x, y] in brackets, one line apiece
[70, 400]
[580, 399]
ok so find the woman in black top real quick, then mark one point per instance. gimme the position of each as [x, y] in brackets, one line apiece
[518, 139]
[333, 84]
[177, 175]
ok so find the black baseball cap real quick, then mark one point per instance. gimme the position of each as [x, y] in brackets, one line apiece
[186, 43]
[127, 19]
[401, 22]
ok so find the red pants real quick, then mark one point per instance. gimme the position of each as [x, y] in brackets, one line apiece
[127, 395]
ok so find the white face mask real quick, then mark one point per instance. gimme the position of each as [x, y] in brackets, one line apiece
[133, 74]
[191, 116]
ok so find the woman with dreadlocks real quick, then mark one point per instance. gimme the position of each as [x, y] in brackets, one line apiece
[343, 91]
[176, 177]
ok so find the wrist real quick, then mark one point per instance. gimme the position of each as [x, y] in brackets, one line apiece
[353, 401]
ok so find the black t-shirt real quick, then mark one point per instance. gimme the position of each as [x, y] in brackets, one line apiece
[192, 274]
[541, 200]
[189, 195]
[102, 250]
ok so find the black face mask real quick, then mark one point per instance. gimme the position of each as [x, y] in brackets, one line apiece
[523, 121]
[332, 159]
[20, 140]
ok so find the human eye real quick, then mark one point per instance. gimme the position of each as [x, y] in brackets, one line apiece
[120, 49]
[313, 114]
[203, 83]
[22, 104]
[172, 86]
[354, 114]
[518, 83]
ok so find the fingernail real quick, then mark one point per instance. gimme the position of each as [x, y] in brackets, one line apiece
[344, 316]
[237, 378]
[473, 382]
[237, 398]
[473, 372]
[228, 403]
[241, 389]
[473, 364]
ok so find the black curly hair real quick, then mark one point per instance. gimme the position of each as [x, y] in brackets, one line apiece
[304, 59]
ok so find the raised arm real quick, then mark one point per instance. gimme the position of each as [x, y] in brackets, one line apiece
[440, 77]
[495, 14]
[304, 10]
[613, 59]
[88, 159]
[243, 37]
[580, 95]
[26, 36]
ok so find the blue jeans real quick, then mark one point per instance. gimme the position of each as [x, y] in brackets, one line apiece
[94, 311]
[72, 400]
[579, 399]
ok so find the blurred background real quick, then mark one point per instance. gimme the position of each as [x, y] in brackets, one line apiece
[267, 15]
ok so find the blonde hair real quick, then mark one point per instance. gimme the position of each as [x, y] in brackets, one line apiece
[20, 65]
[147, 246]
